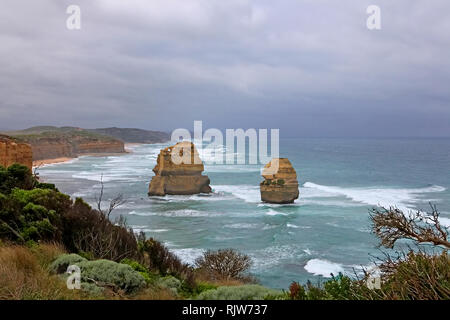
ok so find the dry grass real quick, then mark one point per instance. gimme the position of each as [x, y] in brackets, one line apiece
[23, 274]
[201, 276]
[48, 252]
[420, 276]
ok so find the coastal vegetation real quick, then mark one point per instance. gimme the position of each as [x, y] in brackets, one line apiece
[44, 231]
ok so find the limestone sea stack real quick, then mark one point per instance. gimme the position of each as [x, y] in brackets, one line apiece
[178, 171]
[280, 183]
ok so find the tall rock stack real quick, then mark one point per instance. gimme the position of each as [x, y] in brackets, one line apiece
[178, 171]
[280, 183]
[12, 152]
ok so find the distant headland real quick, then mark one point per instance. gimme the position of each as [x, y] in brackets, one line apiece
[51, 144]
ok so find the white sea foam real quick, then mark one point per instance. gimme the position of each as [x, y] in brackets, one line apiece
[172, 213]
[272, 212]
[94, 176]
[146, 229]
[248, 193]
[291, 225]
[269, 257]
[242, 226]
[401, 198]
[188, 255]
[215, 196]
[335, 203]
[323, 268]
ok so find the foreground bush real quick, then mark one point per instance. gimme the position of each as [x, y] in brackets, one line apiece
[91, 232]
[16, 176]
[32, 215]
[245, 292]
[160, 259]
[110, 274]
[65, 260]
[418, 276]
[170, 283]
[33, 211]
[224, 264]
[149, 277]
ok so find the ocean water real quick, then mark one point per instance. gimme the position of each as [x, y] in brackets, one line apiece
[327, 230]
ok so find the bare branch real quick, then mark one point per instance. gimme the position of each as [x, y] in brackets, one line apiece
[114, 203]
[392, 224]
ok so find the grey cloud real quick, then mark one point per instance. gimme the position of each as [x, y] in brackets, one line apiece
[310, 68]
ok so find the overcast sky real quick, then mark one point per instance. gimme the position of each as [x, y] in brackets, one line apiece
[307, 67]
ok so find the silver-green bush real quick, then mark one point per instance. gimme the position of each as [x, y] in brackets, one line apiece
[246, 292]
[106, 272]
[171, 283]
[63, 261]
[92, 289]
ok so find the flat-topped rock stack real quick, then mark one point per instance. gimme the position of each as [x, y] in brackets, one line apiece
[178, 171]
[280, 183]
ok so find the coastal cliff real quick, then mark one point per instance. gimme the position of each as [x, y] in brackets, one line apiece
[66, 142]
[280, 186]
[182, 177]
[12, 151]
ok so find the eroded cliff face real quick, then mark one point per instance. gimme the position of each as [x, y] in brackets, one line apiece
[97, 147]
[12, 152]
[280, 185]
[52, 148]
[62, 147]
[178, 171]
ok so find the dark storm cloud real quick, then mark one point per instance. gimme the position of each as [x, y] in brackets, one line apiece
[308, 67]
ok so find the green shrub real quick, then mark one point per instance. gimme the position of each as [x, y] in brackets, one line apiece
[86, 255]
[418, 276]
[171, 283]
[92, 289]
[32, 215]
[204, 286]
[106, 272]
[16, 176]
[165, 262]
[134, 264]
[246, 292]
[339, 288]
[90, 231]
[148, 276]
[50, 186]
[63, 261]
[280, 182]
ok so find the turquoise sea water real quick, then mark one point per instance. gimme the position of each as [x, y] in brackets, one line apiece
[326, 230]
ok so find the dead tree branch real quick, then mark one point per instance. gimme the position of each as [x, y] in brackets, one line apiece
[393, 224]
